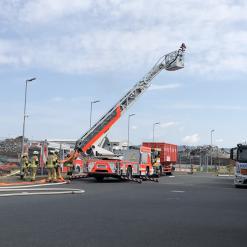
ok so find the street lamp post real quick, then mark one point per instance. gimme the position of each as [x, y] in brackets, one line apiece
[24, 117]
[24, 120]
[211, 135]
[130, 115]
[154, 124]
[91, 109]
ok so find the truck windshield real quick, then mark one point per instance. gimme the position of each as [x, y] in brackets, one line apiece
[242, 155]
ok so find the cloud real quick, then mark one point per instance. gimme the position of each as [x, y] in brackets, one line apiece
[168, 124]
[134, 127]
[84, 36]
[164, 87]
[57, 99]
[192, 139]
[71, 100]
[45, 11]
[219, 140]
[187, 106]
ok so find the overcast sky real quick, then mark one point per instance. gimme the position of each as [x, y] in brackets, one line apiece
[82, 50]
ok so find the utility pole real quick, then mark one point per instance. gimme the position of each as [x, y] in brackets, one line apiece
[211, 161]
[91, 109]
[24, 121]
[154, 124]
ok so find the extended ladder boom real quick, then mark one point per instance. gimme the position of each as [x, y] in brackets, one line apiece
[172, 61]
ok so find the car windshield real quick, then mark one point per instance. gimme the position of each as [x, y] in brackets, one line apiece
[242, 155]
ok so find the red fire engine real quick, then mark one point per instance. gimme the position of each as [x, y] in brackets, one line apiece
[89, 143]
[136, 162]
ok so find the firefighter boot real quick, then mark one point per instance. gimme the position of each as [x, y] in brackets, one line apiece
[33, 173]
[59, 175]
[54, 175]
[49, 178]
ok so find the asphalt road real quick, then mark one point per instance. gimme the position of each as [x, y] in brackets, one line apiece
[188, 210]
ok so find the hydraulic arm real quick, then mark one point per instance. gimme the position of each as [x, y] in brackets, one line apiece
[172, 61]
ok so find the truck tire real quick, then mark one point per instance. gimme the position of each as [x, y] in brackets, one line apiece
[99, 179]
[147, 171]
[161, 171]
[78, 169]
[69, 173]
[129, 172]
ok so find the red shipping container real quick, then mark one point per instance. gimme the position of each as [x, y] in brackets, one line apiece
[168, 154]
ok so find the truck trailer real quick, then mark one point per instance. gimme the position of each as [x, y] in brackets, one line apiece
[164, 156]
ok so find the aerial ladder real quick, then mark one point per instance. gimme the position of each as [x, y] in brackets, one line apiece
[88, 142]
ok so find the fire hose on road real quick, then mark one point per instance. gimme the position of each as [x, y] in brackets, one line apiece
[27, 190]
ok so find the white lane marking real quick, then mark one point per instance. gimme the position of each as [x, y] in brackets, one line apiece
[32, 185]
[24, 193]
[171, 176]
[178, 191]
[37, 189]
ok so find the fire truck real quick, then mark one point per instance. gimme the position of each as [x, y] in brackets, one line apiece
[239, 156]
[102, 162]
[134, 163]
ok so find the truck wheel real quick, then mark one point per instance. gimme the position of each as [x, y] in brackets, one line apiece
[129, 173]
[99, 179]
[160, 171]
[69, 173]
[77, 169]
[147, 171]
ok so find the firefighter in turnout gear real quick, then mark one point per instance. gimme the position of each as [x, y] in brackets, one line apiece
[25, 165]
[50, 165]
[57, 165]
[34, 165]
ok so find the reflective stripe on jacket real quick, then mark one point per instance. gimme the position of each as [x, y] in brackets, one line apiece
[34, 161]
[51, 161]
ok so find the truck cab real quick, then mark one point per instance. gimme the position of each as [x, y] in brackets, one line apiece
[239, 155]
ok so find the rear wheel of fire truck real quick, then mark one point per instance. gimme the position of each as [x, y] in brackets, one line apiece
[147, 171]
[129, 172]
[160, 171]
[99, 179]
[77, 169]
